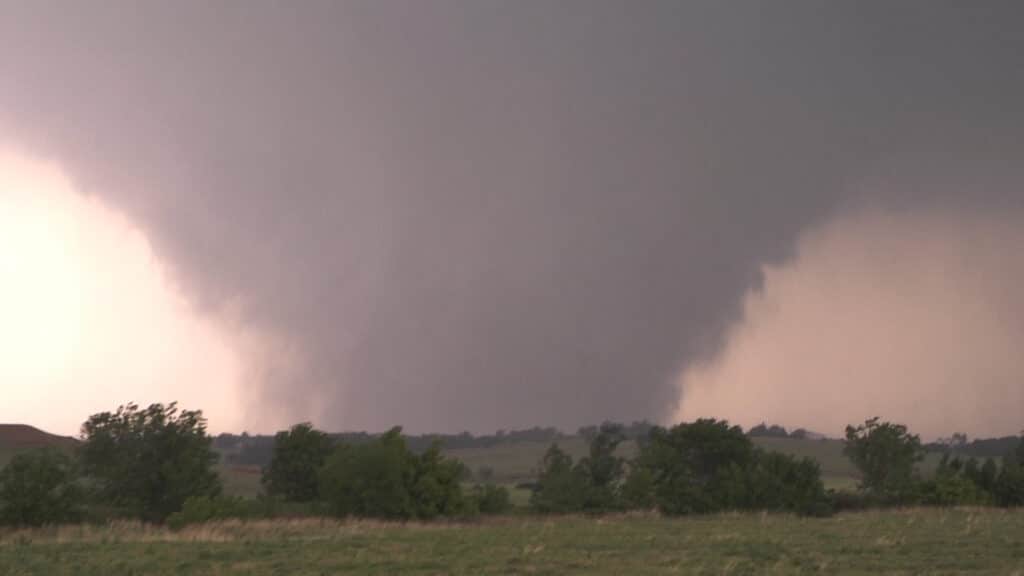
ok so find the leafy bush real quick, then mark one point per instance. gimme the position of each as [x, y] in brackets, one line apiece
[847, 501]
[707, 466]
[952, 490]
[298, 455]
[149, 462]
[200, 509]
[781, 482]
[602, 471]
[1009, 486]
[490, 499]
[38, 488]
[437, 487]
[384, 479]
[560, 486]
[592, 485]
[370, 480]
[763, 430]
[698, 467]
[638, 489]
[957, 483]
[987, 475]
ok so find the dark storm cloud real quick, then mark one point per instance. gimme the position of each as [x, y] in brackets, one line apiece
[491, 214]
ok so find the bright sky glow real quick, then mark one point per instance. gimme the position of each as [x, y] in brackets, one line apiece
[913, 317]
[88, 319]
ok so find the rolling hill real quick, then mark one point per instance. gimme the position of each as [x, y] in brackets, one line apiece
[16, 438]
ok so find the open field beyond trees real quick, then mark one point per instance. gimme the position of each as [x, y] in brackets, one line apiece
[934, 541]
[515, 462]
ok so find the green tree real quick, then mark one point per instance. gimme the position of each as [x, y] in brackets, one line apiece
[147, 462]
[638, 489]
[763, 429]
[601, 470]
[972, 471]
[886, 454]
[708, 466]
[780, 482]
[437, 489]
[491, 499]
[37, 488]
[759, 430]
[384, 479]
[370, 480]
[560, 487]
[698, 467]
[299, 454]
[1009, 486]
[200, 509]
[989, 473]
[953, 489]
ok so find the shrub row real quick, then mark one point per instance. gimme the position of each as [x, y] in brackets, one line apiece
[700, 467]
[157, 464]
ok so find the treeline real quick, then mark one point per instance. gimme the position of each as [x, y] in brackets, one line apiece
[132, 463]
[708, 466]
[701, 467]
[887, 455]
[692, 468]
[958, 445]
[158, 465]
[763, 430]
[380, 478]
[257, 450]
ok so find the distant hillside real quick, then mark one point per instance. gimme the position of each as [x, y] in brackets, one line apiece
[980, 448]
[21, 436]
[16, 438]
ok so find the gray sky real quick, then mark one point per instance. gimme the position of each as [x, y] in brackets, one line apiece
[482, 214]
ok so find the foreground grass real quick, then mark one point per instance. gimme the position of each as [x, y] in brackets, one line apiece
[914, 541]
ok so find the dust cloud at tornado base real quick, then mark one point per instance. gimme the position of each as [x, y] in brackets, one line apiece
[916, 317]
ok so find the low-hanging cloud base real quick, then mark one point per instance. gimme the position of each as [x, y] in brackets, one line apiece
[469, 215]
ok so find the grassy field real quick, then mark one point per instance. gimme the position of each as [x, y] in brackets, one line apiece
[895, 542]
[514, 462]
[241, 481]
[517, 462]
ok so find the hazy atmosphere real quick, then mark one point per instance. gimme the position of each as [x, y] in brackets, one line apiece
[480, 215]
